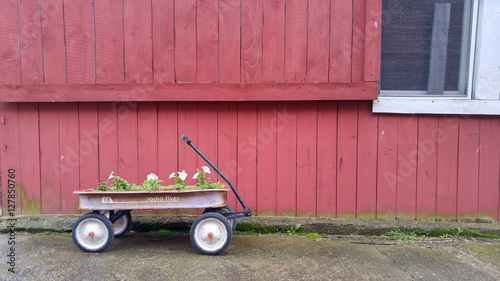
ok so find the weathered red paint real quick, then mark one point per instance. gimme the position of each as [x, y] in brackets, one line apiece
[406, 197]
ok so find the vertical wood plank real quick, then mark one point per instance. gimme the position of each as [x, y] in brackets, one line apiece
[373, 39]
[286, 170]
[80, 68]
[30, 35]
[347, 159]
[273, 41]
[147, 142]
[468, 168]
[358, 40]
[229, 41]
[251, 41]
[207, 134]
[9, 153]
[109, 41]
[188, 125]
[406, 196]
[185, 41]
[387, 173]
[307, 118]
[367, 162]
[318, 41]
[327, 159]
[109, 63]
[89, 129]
[185, 71]
[168, 142]
[10, 71]
[163, 41]
[266, 158]
[188, 159]
[54, 63]
[227, 112]
[31, 73]
[447, 166]
[247, 153]
[127, 142]
[341, 41]
[79, 37]
[29, 158]
[227, 144]
[427, 166]
[137, 42]
[71, 155]
[108, 139]
[489, 163]
[147, 118]
[207, 41]
[295, 40]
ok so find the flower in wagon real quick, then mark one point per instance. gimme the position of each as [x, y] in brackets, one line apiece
[203, 182]
[152, 176]
[179, 179]
[152, 182]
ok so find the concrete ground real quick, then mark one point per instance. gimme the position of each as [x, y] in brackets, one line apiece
[139, 256]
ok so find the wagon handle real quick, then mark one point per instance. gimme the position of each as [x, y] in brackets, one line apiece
[248, 212]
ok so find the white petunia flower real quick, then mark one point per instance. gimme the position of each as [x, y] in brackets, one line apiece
[171, 175]
[152, 176]
[206, 169]
[195, 176]
[183, 175]
[111, 175]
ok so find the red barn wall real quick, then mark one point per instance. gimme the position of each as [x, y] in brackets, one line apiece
[299, 158]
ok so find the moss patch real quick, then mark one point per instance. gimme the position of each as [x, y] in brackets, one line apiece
[249, 228]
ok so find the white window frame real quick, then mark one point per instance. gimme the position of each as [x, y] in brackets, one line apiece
[482, 89]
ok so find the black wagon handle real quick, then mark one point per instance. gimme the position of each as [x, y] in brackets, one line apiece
[248, 212]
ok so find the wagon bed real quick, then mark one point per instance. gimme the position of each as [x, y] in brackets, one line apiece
[92, 199]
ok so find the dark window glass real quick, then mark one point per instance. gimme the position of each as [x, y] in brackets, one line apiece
[407, 32]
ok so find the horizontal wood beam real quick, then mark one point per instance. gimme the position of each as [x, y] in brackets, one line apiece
[188, 92]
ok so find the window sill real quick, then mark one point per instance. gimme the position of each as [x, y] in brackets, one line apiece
[405, 105]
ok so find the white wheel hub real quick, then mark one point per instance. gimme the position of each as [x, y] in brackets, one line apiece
[210, 234]
[92, 233]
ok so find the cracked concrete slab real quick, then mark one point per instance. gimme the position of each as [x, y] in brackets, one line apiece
[261, 257]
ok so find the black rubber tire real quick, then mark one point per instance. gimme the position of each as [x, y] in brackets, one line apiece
[211, 233]
[119, 230]
[224, 210]
[93, 232]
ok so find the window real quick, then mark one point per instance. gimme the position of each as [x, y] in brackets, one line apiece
[436, 55]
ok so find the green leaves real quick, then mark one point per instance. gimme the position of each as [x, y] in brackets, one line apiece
[152, 183]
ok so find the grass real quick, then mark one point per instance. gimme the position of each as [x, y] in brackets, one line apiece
[403, 235]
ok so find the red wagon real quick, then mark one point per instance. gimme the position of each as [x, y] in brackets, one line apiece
[211, 233]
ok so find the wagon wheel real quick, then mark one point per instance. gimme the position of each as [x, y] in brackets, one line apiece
[211, 233]
[224, 210]
[122, 225]
[92, 232]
